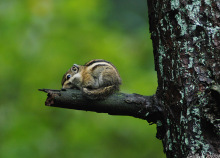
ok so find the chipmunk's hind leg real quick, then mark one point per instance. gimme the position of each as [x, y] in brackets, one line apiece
[100, 93]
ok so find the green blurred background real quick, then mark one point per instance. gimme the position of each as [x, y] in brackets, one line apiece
[40, 40]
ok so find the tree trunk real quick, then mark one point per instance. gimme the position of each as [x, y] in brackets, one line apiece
[186, 42]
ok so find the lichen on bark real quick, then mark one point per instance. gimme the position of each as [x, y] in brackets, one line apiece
[186, 41]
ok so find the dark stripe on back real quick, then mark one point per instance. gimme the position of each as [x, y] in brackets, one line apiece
[99, 60]
[98, 66]
[96, 61]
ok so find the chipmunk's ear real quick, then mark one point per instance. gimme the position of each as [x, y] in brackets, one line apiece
[75, 68]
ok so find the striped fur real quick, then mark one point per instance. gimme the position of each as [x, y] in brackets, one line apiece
[96, 79]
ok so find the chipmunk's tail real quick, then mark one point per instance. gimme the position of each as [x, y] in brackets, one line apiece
[100, 93]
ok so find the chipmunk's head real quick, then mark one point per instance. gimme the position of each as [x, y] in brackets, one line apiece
[71, 77]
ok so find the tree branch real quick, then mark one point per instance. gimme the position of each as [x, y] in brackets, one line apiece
[143, 107]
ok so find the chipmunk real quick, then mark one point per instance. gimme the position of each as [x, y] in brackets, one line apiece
[96, 79]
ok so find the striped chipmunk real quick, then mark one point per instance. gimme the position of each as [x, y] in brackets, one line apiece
[96, 79]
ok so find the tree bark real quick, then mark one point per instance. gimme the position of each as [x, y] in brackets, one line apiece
[186, 44]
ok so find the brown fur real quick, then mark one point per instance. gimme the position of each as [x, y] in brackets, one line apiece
[97, 79]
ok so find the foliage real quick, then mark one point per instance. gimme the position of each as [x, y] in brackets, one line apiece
[40, 40]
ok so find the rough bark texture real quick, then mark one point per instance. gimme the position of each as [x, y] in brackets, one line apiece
[186, 42]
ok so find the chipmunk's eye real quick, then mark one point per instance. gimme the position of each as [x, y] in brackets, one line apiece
[75, 69]
[68, 76]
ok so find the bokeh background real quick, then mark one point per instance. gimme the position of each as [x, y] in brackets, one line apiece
[39, 41]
